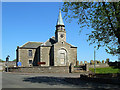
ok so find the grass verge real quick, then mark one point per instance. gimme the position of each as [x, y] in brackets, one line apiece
[105, 70]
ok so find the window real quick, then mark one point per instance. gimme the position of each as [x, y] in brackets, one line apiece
[62, 58]
[30, 61]
[30, 53]
[62, 55]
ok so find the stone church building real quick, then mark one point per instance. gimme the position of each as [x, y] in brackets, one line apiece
[54, 52]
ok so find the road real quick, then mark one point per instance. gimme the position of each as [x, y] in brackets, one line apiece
[48, 80]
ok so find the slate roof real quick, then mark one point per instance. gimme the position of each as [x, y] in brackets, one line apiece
[71, 45]
[32, 44]
[50, 41]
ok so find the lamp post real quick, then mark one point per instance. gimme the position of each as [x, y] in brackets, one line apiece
[7, 59]
[94, 58]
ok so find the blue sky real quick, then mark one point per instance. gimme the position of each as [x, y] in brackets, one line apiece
[29, 21]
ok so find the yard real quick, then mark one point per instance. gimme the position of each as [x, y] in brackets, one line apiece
[105, 70]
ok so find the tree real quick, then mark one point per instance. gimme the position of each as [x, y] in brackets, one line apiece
[14, 60]
[1, 60]
[107, 60]
[102, 61]
[103, 17]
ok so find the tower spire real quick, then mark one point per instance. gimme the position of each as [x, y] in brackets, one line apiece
[60, 33]
[60, 20]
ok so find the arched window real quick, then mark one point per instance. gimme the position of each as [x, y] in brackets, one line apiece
[62, 56]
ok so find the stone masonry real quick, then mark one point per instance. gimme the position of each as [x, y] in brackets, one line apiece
[54, 52]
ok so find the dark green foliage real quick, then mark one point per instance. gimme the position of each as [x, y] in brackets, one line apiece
[91, 62]
[98, 62]
[1, 60]
[103, 17]
[102, 61]
[77, 63]
[14, 60]
[107, 60]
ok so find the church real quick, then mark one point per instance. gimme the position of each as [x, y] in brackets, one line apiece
[54, 52]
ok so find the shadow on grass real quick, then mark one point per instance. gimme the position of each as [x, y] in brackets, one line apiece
[115, 65]
[74, 82]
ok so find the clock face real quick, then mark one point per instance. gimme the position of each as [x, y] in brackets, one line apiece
[62, 35]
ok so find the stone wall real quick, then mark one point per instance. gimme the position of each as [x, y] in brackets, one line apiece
[58, 38]
[51, 69]
[2, 64]
[24, 58]
[73, 55]
[99, 65]
[70, 52]
[45, 55]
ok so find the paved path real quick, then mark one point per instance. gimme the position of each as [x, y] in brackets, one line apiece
[48, 80]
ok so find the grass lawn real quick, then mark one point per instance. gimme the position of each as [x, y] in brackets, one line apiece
[105, 70]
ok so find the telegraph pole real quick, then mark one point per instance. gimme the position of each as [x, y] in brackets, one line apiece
[94, 59]
[119, 53]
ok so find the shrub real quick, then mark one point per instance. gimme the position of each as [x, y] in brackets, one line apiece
[77, 63]
[102, 61]
[91, 62]
[107, 60]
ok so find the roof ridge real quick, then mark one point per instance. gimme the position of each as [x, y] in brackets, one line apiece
[25, 44]
[35, 42]
[30, 42]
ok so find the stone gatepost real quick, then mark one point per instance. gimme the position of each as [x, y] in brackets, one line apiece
[71, 68]
[86, 67]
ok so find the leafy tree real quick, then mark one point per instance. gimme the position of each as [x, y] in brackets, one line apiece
[1, 60]
[102, 61]
[14, 60]
[107, 60]
[91, 62]
[103, 17]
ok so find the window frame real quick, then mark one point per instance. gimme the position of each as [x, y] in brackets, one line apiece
[31, 62]
[30, 53]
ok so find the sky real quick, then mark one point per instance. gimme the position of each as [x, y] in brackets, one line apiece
[36, 21]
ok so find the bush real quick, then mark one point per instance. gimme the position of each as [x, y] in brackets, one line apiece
[102, 61]
[91, 62]
[77, 63]
[107, 60]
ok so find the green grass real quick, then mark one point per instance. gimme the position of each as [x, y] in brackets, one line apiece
[105, 70]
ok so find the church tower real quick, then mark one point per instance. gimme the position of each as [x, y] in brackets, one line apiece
[60, 33]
